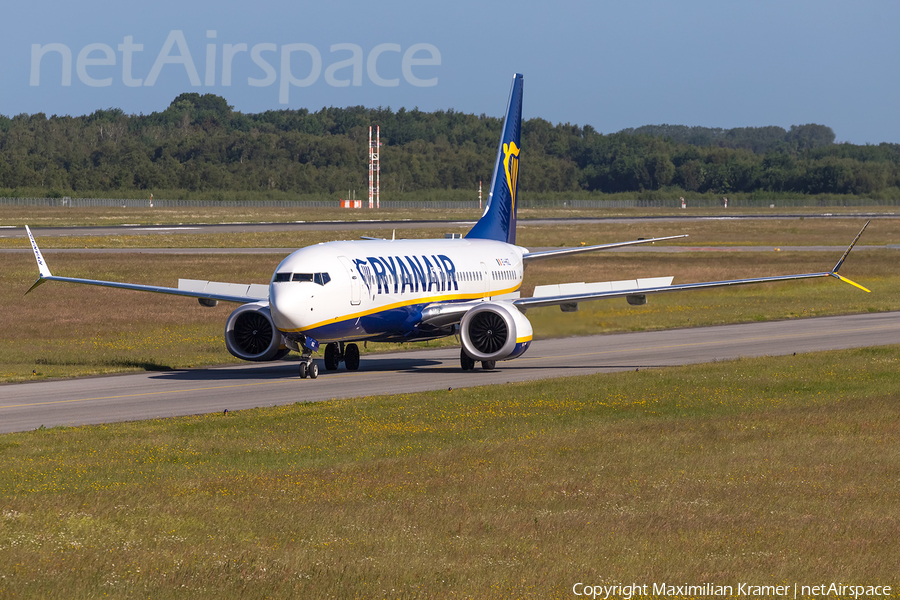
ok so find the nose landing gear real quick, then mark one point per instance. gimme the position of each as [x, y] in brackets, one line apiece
[308, 368]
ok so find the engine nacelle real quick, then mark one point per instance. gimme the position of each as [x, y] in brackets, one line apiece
[251, 335]
[495, 331]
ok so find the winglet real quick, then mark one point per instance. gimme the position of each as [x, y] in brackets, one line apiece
[834, 271]
[43, 269]
[856, 239]
[833, 274]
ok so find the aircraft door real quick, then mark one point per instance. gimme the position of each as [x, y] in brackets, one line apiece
[485, 281]
[355, 283]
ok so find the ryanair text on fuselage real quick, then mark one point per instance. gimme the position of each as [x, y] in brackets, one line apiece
[406, 274]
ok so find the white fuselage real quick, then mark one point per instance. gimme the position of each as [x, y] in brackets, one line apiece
[376, 289]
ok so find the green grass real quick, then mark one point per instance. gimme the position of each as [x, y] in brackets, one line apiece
[769, 471]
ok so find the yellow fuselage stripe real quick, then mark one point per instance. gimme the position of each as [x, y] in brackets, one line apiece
[426, 300]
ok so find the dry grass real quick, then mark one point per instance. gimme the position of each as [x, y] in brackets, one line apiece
[716, 233]
[67, 330]
[62, 217]
[768, 471]
[723, 233]
[873, 269]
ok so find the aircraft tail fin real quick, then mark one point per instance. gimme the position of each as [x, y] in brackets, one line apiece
[499, 219]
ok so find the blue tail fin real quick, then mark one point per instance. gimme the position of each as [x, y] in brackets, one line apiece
[499, 219]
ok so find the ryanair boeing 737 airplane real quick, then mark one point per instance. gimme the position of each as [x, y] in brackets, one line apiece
[340, 293]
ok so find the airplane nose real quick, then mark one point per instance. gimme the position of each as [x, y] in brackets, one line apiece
[286, 303]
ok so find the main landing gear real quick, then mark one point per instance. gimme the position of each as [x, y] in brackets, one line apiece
[336, 353]
[468, 363]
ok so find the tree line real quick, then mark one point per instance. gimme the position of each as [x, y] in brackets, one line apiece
[199, 143]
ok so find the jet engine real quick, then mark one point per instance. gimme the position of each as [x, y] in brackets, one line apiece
[491, 331]
[251, 335]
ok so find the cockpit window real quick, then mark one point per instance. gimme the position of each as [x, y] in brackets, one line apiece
[319, 278]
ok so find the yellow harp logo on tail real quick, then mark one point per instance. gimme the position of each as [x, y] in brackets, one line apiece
[511, 166]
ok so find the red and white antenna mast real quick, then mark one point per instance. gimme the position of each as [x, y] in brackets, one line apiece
[378, 167]
[374, 169]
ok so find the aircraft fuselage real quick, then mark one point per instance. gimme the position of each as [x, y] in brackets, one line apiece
[376, 289]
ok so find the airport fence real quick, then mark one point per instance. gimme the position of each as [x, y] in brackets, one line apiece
[671, 203]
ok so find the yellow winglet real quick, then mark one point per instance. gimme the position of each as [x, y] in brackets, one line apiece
[850, 282]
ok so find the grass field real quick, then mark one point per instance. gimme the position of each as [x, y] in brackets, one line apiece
[767, 471]
[716, 233]
[59, 217]
[68, 330]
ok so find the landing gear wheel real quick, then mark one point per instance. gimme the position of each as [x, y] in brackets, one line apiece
[466, 362]
[488, 365]
[331, 357]
[313, 370]
[351, 357]
[303, 370]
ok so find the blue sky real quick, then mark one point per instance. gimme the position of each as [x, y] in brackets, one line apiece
[611, 65]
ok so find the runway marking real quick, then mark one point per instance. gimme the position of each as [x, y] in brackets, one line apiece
[371, 373]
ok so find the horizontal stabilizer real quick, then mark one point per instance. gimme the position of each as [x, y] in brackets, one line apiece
[558, 252]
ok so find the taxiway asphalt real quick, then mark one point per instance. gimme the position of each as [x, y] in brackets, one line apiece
[93, 400]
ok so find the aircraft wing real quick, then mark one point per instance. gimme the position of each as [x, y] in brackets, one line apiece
[204, 290]
[571, 294]
[555, 253]
[575, 298]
